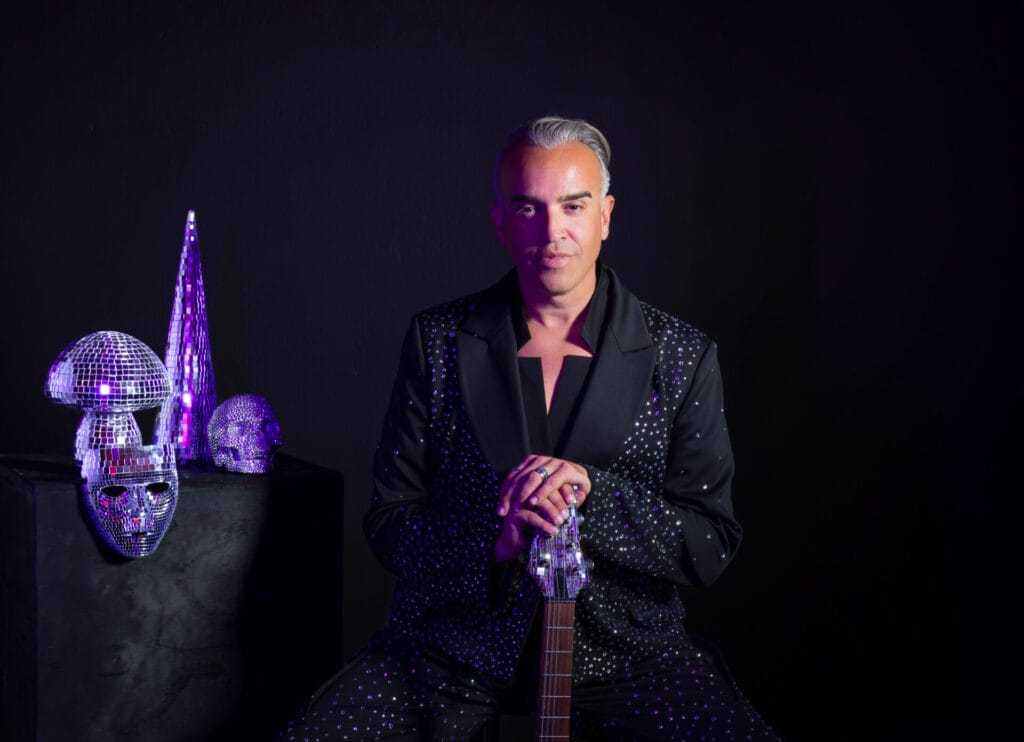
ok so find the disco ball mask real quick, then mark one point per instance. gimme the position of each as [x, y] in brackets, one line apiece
[131, 494]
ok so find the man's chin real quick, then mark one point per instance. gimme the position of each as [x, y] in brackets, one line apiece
[560, 283]
[551, 280]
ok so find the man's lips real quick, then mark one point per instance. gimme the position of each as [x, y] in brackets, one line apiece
[555, 260]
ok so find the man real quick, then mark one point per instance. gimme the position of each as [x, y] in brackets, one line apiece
[554, 385]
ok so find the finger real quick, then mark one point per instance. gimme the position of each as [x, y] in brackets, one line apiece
[511, 541]
[540, 478]
[534, 472]
[521, 481]
[534, 519]
[582, 480]
[505, 492]
[561, 473]
[555, 502]
[554, 509]
[577, 494]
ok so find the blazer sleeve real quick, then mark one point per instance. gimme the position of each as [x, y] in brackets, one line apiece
[409, 532]
[399, 503]
[683, 531]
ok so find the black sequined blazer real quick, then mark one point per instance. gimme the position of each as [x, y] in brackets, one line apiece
[651, 432]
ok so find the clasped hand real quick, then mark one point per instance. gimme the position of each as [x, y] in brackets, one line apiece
[529, 501]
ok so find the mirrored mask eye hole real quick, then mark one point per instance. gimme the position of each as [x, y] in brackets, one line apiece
[114, 490]
[157, 487]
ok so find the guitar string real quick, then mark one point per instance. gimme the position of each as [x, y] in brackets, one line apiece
[557, 665]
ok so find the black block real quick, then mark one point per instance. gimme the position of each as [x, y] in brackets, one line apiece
[215, 635]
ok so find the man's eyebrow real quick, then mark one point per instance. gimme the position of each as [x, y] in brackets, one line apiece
[524, 198]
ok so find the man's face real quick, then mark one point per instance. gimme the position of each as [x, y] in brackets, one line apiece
[552, 219]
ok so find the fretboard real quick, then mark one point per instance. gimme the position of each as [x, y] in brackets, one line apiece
[554, 693]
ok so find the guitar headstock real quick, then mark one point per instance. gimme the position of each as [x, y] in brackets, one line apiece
[556, 561]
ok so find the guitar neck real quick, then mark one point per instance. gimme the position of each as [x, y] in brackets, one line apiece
[554, 693]
[556, 563]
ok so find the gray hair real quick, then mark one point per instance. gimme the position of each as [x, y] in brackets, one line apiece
[554, 131]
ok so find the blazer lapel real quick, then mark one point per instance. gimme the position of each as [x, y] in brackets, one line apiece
[618, 387]
[489, 378]
[619, 383]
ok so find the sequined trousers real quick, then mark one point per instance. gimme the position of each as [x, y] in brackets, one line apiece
[392, 692]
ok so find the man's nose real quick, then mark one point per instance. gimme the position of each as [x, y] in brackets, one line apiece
[554, 227]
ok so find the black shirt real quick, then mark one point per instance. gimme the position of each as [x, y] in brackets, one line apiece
[548, 431]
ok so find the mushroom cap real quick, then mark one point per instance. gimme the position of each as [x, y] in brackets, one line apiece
[108, 371]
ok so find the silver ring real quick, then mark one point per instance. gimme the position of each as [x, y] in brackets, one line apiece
[543, 473]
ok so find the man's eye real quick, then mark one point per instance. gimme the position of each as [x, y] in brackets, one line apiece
[573, 208]
[526, 210]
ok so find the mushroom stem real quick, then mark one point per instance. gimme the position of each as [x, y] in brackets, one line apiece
[106, 430]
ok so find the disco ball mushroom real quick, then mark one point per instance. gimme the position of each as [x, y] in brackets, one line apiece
[108, 375]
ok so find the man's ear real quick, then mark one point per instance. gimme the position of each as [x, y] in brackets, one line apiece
[606, 215]
[498, 220]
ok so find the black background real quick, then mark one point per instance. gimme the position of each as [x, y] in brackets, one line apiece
[830, 194]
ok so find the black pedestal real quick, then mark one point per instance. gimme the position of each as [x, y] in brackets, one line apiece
[218, 634]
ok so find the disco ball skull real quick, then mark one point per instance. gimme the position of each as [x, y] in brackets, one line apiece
[244, 433]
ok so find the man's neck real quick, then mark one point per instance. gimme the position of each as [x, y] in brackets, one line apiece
[560, 315]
